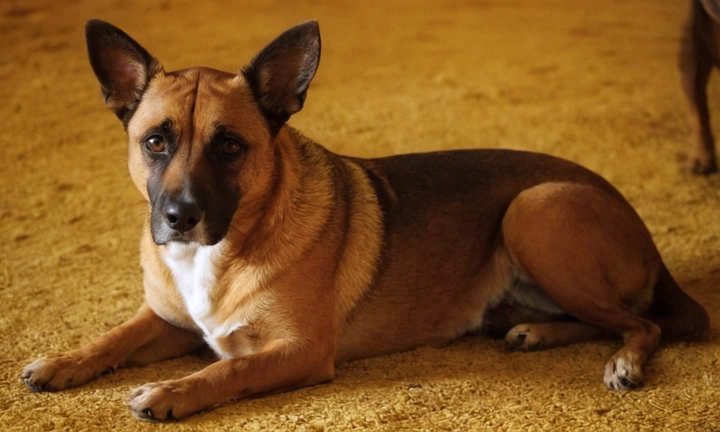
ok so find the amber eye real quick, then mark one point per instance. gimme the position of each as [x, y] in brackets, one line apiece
[230, 146]
[155, 143]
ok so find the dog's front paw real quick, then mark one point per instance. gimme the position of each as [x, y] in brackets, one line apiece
[163, 401]
[622, 373]
[522, 337]
[55, 373]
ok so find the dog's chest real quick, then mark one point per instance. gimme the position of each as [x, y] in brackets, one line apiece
[195, 269]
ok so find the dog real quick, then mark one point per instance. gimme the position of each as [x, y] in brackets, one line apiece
[286, 258]
[698, 55]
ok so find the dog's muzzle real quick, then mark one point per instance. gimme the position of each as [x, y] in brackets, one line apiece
[192, 212]
[177, 217]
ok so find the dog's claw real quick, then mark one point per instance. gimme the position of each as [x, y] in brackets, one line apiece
[622, 374]
[30, 385]
[628, 383]
[148, 414]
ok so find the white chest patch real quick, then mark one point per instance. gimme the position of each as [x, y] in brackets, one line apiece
[194, 269]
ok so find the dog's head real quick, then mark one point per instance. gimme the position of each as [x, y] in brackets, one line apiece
[201, 141]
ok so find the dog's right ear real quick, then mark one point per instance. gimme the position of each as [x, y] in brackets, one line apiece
[122, 66]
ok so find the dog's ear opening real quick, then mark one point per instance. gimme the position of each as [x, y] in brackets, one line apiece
[281, 73]
[121, 65]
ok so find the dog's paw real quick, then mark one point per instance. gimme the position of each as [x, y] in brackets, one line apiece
[163, 401]
[622, 373]
[50, 374]
[522, 337]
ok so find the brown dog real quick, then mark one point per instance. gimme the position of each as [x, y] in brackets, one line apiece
[286, 258]
[699, 53]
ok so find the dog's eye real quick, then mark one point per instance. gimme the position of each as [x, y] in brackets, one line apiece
[230, 146]
[155, 143]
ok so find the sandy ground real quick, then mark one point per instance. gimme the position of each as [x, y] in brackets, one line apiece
[594, 82]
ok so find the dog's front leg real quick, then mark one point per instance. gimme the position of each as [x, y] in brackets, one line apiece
[282, 366]
[143, 339]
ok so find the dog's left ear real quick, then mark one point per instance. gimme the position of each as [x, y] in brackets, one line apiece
[122, 66]
[281, 73]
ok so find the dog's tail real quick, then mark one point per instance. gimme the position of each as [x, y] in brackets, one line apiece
[679, 316]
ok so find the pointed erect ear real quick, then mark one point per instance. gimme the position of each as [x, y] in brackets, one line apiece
[281, 73]
[122, 66]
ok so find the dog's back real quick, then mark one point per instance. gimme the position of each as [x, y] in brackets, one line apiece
[442, 223]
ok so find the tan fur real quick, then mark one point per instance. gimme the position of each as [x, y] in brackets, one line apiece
[326, 258]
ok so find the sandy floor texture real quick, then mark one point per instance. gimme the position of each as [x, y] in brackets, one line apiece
[591, 81]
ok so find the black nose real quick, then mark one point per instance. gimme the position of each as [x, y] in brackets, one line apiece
[182, 215]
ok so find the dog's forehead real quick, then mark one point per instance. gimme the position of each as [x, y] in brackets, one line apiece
[201, 99]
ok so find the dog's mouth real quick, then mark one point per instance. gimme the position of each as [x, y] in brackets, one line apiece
[175, 237]
[163, 234]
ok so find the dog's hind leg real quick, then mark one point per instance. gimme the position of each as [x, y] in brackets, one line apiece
[623, 371]
[537, 336]
[593, 257]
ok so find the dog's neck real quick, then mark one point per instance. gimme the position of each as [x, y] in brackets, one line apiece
[296, 208]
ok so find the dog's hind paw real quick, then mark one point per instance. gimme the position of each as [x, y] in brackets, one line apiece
[622, 373]
[522, 337]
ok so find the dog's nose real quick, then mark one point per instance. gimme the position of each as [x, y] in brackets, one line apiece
[182, 215]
